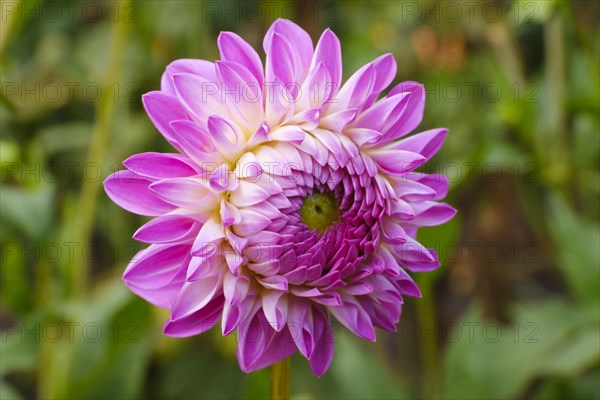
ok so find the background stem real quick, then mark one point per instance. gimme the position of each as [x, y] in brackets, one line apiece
[86, 210]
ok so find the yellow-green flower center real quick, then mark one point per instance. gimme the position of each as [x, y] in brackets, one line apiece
[319, 211]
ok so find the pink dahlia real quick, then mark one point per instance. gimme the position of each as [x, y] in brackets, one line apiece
[288, 201]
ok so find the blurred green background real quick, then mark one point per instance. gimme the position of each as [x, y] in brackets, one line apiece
[512, 313]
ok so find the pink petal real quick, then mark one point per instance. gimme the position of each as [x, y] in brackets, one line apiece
[167, 229]
[385, 71]
[203, 68]
[397, 161]
[196, 295]
[329, 52]
[234, 48]
[131, 192]
[197, 322]
[193, 140]
[274, 304]
[162, 108]
[251, 222]
[156, 266]
[410, 116]
[248, 194]
[354, 317]
[159, 165]
[303, 47]
[288, 133]
[322, 355]
[259, 345]
[430, 213]
[200, 97]
[425, 143]
[190, 193]
[242, 93]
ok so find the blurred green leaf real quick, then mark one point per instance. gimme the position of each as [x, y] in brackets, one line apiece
[577, 247]
[499, 361]
[65, 137]
[107, 357]
[28, 209]
[7, 392]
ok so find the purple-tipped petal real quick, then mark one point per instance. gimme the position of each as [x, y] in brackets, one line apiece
[197, 322]
[354, 317]
[329, 53]
[410, 116]
[163, 108]
[234, 48]
[156, 265]
[168, 228]
[425, 143]
[190, 193]
[159, 165]
[430, 213]
[205, 69]
[322, 355]
[303, 46]
[131, 192]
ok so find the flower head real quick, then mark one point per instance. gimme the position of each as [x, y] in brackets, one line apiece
[291, 199]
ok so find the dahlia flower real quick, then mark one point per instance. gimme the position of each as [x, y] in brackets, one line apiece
[291, 199]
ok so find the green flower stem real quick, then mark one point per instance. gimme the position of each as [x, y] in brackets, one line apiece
[280, 380]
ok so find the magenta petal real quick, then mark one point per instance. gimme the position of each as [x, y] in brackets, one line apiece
[196, 295]
[437, 182]
[248, 194]
[397, 162]
[191, 193]
[168, 228]
[197, 322]
[322, 355]
[201, 97]
[156, 265]
[234, 48]
[303, 46]
[377, 116]
[410, 116]
[407, 285]
[160, 165]
[299, 324]
[260, 345]
[274, 304]
[430, 213]
[193, 140]
[354, 317]
[288, 134]
[162, 108]
[385, 71]
[354, 93]
[251, 222]
[281, 64]
[241, 93]
[161, 296]
[384, 314]
[416, 257]
[202, 68]
[329, 52]
[425, 143]
[412, 191]
[131, 192]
